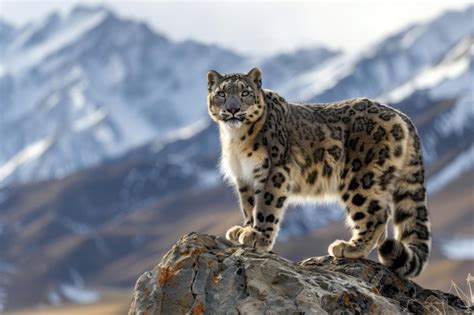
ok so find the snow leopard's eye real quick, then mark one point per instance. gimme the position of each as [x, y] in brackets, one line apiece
[221, 94]
[245, 93]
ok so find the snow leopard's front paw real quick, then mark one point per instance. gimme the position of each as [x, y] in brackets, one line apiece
[343, 249]
[249, 236]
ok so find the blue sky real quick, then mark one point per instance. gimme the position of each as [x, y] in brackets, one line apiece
[264, 27]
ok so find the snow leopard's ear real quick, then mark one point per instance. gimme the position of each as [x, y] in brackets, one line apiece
[255, 75]
[213, 78]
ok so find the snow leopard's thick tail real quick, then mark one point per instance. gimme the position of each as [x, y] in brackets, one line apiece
[408, 253]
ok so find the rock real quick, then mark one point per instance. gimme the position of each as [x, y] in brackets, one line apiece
[208, 274]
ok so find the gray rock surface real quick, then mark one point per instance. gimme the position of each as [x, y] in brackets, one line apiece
[208, 274]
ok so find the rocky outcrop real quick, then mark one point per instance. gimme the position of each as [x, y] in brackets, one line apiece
[208, 274]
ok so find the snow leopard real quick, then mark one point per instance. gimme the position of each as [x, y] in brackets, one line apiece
[362, 153]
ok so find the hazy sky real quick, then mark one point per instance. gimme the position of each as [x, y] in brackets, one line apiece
[258, 28]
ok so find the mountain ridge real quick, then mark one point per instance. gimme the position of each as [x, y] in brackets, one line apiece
[107, 90]
[108, 116]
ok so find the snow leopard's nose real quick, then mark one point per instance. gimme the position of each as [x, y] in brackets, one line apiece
[233, 110]
[233, 105]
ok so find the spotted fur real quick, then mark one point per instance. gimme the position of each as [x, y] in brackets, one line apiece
[366, 154]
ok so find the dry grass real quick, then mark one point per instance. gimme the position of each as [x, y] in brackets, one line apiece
[466, 295]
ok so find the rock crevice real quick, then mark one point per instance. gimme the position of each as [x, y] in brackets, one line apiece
[208, 274]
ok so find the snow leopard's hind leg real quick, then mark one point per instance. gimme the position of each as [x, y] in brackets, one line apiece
[367, 216]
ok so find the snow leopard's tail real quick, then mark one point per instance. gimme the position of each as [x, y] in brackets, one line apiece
[408, 253]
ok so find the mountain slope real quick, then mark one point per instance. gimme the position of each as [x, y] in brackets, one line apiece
[391, 62]
[90, 86]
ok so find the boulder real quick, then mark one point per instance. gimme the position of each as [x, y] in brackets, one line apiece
[209, 274]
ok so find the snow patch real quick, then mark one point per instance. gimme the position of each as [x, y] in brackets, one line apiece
[77, 96]
[52, 101]
[78, 294]
[188, 131]
[181, 134]
[114, 72]
[89, 121]
[76, 227]
[458, 248]
[429, 78]
[17, 62]
[325, 77]
[460, 116]
[455, 63]
[462, 163]
[29, 153]
[123, 116]
[410, 37]
[104, 134]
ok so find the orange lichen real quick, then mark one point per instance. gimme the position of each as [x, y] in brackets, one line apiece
[346, 300]
[374, 290]
[199, 309]
[178, 265]
[163, 277]
[168, 274]
[198, 251]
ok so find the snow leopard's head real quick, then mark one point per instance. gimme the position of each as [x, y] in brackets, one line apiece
[235, 99]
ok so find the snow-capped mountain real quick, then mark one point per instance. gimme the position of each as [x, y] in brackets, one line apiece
[387, 64]
[283, 68]
[88, 86]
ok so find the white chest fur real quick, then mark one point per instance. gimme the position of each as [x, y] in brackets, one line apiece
[236, 166]
[235, 162]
